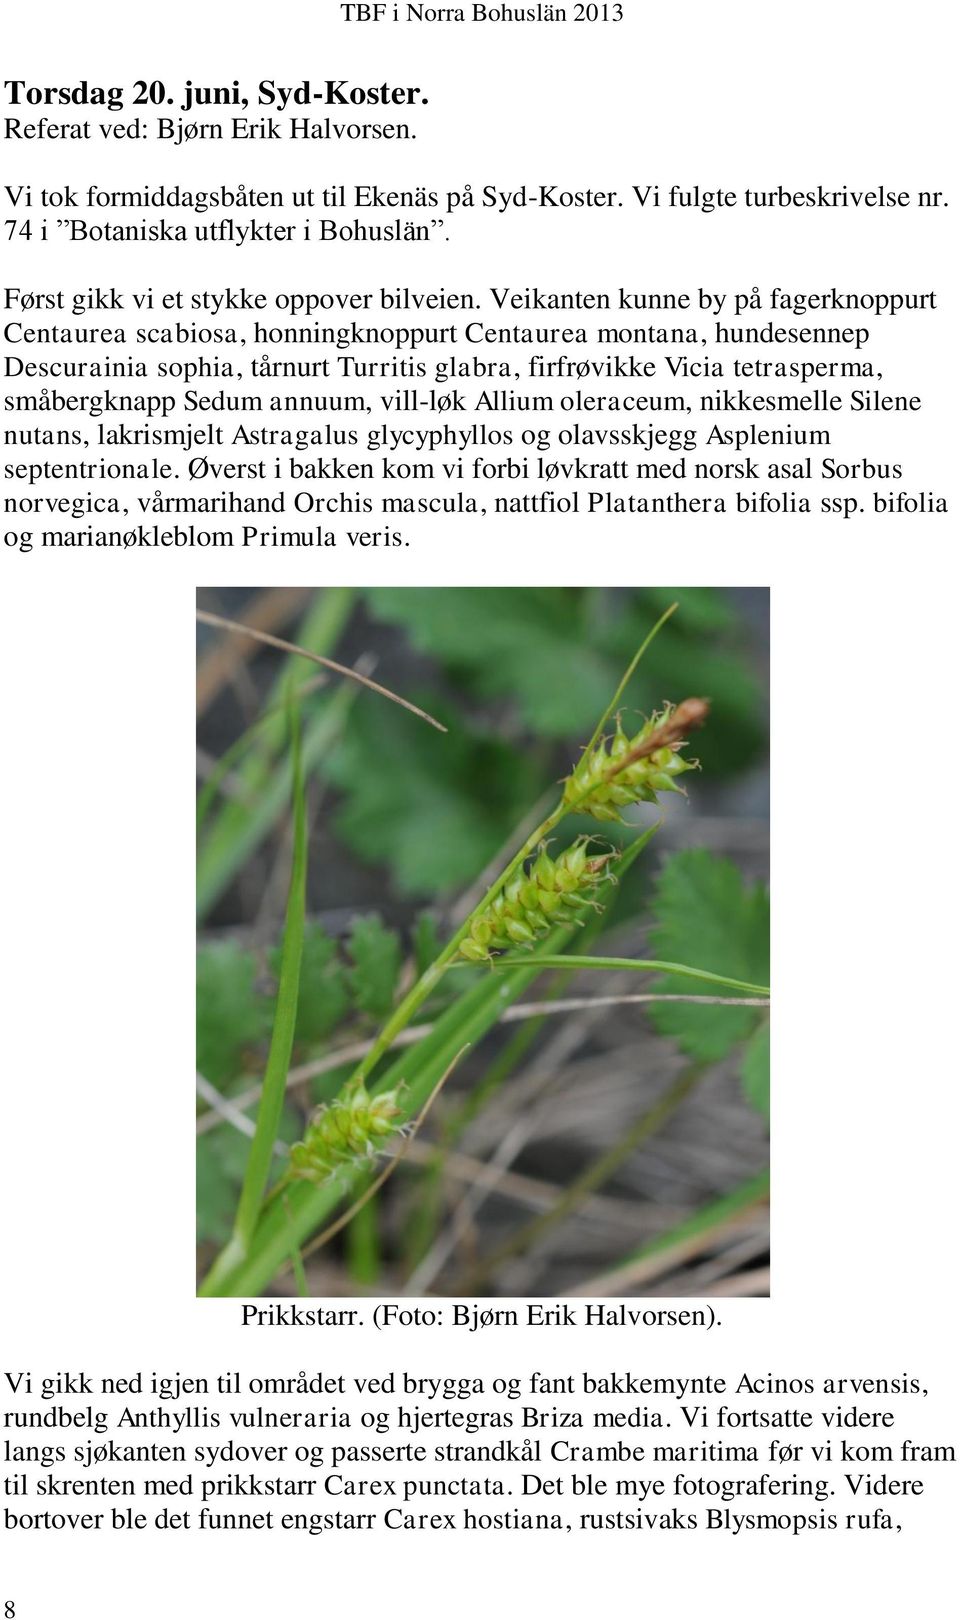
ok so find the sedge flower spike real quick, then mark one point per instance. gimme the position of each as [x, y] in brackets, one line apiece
[548, 893]
[621, 770]
[343, 1133]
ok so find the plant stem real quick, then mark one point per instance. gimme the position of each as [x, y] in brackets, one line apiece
[237, 749]
[296, 1258]
[317, 658]
[418, 993]
[637, 966]
[516, 1048]
[363, 1245]
[628, 675]
[260, 1157]
[219, 1279]
[236, 829]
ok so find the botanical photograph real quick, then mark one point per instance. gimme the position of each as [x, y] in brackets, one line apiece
[483, 942]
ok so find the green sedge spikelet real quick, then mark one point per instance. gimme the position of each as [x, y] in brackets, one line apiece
[343, 1133]
[621, 770]
[547, 893]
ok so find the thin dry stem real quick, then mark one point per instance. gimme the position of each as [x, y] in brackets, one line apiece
[519, 1013]
[523, 1189]
[645, 1269]
[747, 1285]
[217, 667]
[235, 627]
[587, 1182]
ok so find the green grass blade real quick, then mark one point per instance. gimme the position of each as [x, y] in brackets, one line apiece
[426, 1216]
[618, 963]
[238, 748]
[285, 1018]
[504, 1065]
[296, 1261]
[416, 1071]
[362, 1238]
[628, 675]
[319, 631]
[237, 829]
[211, 787]
[471, 1016]
[234, 837]
[260, 1158]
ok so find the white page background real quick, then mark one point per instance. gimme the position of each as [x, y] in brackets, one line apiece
[98, 664]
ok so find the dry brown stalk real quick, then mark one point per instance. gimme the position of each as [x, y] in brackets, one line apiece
[237, 628]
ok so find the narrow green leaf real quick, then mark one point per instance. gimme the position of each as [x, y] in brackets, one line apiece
[362, 1238]
[296, 1260]
[415, 1073]
[704, 609]
[239, 827]
[756, 1070]
[225, 764]
[704, 654]
[636, 965]
[324, 999]
[272, 1097]
[628, 675]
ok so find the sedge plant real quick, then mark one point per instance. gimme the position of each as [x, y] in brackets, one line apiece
[524, 923]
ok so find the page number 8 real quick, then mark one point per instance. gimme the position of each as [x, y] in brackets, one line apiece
[9, 1610]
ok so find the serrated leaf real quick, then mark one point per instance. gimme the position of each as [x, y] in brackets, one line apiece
[756, 1070]
[324, 999]
[433, 808]
[376, 955]
[426, 941]
[231, 1013]
[706, 916]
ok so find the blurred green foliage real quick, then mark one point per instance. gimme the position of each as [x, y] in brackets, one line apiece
[376, 955]
[756, 1070]
[353, 982]
[232, 1015]
[325, 998]
[705, 914]
[519, 675]
[435, 809]
[702, 912]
